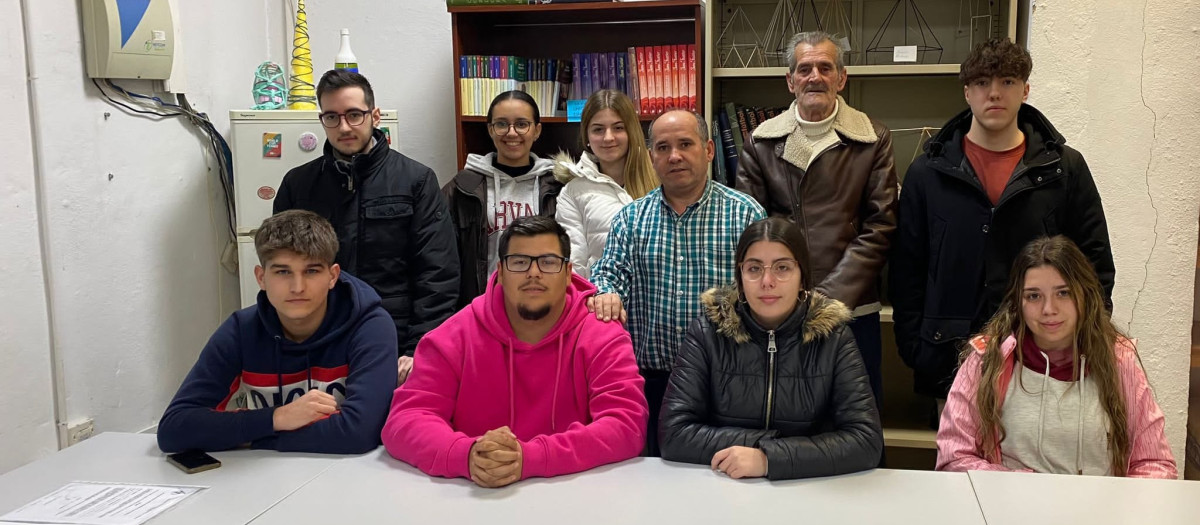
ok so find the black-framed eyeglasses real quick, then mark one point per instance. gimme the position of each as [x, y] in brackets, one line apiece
[783, 270]
[548, 263]
[354, 117]
[501, 127]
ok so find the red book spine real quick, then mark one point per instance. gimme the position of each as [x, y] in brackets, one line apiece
[659, 84]
[691, 82]
[644, 82]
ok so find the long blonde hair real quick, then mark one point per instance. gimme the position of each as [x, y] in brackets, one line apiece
[640, 178]
[1095, 339]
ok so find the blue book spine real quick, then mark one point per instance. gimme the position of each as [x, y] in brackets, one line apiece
[727, 144]
[622, 72]
[718, 163]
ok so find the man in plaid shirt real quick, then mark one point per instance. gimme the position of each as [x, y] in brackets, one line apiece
[668, 247]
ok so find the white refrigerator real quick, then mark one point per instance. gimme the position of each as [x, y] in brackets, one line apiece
[266, 144]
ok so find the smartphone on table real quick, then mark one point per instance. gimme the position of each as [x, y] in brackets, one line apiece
[193, 461]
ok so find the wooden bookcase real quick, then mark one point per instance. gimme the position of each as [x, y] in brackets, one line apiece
[902, 96]
[558, 31]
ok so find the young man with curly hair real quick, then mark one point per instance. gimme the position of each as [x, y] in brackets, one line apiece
[997, 176]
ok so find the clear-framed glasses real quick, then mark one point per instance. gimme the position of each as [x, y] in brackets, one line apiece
[501, 127]
[354, 117]
[782, 270]
[548, 263]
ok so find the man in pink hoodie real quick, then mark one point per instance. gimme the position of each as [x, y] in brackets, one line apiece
[524, 381]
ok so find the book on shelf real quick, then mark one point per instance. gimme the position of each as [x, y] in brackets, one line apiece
[731, 150]
[691, 76]
[634, 91]
[655, 78]
[735, 126]
[732, 114]
[483, 77]
[718, 163]
[679, 75]
[660, 86]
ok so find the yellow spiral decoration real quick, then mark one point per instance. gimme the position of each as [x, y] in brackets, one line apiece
[303, 93]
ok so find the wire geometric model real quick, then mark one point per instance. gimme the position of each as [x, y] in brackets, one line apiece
[985, 18]
[731, 47]
[303, 94]
[837, 23]
[787, 20]
[270, 91]
[922, 28]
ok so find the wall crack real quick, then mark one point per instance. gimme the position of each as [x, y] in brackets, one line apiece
[1149, 163]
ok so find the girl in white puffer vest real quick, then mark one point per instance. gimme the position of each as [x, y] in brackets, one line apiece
[614, 170]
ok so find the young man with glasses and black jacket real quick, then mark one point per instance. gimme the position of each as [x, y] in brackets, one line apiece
[392, 223]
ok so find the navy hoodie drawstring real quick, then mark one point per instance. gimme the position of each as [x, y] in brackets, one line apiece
[279, 373]
[308, 367]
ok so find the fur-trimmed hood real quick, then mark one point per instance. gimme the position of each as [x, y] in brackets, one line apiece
[567, 169]
[822, 316]
[849, 123]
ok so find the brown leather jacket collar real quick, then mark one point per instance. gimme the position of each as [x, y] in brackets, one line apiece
[845, 202]
[850, 124]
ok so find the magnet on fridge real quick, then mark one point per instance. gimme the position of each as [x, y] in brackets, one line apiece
[308, 141]
[272, 145]
[266, 193]
[387, 133]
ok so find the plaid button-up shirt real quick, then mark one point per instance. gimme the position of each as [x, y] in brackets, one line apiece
[659, 262]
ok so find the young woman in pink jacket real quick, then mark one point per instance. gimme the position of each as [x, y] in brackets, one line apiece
[1051, 385]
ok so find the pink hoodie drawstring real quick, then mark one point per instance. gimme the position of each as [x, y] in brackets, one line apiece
[557, 379]
[512, 411]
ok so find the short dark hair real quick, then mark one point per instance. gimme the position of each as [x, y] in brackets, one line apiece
[300, 231]
[515, 94]
[998, 57]
[775, 229]
[336, 79]
[532, 226]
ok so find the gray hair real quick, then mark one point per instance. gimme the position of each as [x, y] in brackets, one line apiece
[814, 38]
[701, 125]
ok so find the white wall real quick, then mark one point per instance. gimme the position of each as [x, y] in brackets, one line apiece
[133, 284]
[1119, 80]
[404, 49]
[132, 216]
[28, 431]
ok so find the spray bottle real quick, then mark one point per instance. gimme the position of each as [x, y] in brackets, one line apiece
[345, 57]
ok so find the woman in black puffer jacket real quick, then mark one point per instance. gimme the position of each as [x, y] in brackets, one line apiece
[769, 381]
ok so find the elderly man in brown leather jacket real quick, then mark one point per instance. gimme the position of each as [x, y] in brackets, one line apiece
[828, 167]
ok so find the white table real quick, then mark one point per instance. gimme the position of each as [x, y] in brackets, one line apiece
[378, 489]
[1014, 498]
[247, 483]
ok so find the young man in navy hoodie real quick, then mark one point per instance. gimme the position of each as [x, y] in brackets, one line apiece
[309, 368]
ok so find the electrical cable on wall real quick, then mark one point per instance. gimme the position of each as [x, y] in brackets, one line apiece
[156, 108]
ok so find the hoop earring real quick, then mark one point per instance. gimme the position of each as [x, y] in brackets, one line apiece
[802, 298]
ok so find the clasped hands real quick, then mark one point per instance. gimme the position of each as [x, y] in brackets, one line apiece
[495, 459]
